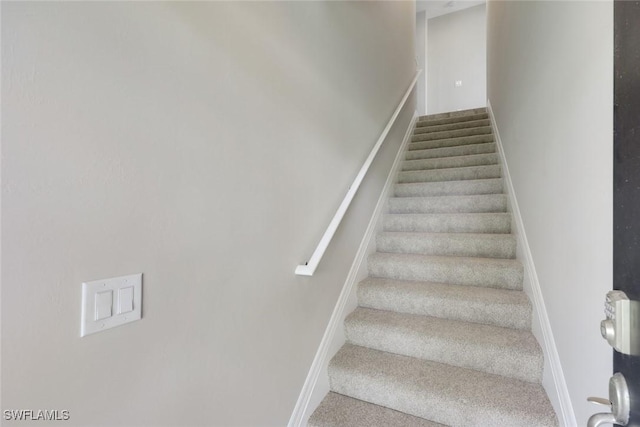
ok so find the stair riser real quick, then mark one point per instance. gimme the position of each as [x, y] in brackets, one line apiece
[450, 120]
[458, 188]
[444, 224]
[461, 204]
[462, 150]
[453, 174]
[516, 316]
[453, 142]
[513, 363]
[450, 162]
[452, 126]
[460, 273]
[432, 136]
[473, 246]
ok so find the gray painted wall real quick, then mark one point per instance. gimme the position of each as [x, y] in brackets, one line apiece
[206, 145]
[457, 51]
[550, 68]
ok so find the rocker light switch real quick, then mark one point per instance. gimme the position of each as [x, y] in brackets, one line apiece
[125, 300]
[111, 302]
[103, 304]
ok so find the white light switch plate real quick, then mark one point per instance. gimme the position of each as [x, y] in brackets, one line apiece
[123, 293]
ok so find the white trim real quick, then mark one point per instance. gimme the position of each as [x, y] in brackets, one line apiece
[426, 64]
[301, 412]
[309, 268]
[560, 397]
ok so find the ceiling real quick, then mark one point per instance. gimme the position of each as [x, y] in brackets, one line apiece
[435, 8]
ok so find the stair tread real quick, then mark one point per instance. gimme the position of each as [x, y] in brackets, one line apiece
[487, 245]
[459, 150]
[453, 126]
[443, 198]
[439, 392]
[441, 188]
[474, 271]
[469, 238]
[445, 204]
[460, 168]
[502, 307]
[418, 142]
[424, 122]
[450, 142]
[461, 157]
[450, 162]
[337, 410]
[446, 134]
[480, 295]
[454, 236]
[492, 222]
[451, 174]
[452, 260]
[503, 351]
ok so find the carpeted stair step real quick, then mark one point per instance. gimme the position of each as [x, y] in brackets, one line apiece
[449, 223]
[448, 244]
[468, 271]
[449, 204]
[337, 410]
[448, 134]
[499, 307]
[509, 352]
[450, 174]
[452, 126]
[443, 188]
[442, 393]
[461, 150]
[424, 122]
[454, 114]
[450, 142]
[450, 162]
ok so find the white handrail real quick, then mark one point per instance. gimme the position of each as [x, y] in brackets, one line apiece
[309, 268]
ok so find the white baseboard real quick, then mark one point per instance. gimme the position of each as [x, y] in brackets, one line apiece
[331, 340]
[553, 379]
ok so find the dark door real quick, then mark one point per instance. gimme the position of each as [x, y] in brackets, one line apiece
[626, 167]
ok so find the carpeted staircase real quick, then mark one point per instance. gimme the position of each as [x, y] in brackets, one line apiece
[441, 335]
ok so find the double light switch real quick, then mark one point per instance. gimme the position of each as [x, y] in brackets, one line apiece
[110, 302]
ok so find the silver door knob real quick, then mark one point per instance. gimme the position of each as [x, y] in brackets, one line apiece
[618, 401]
